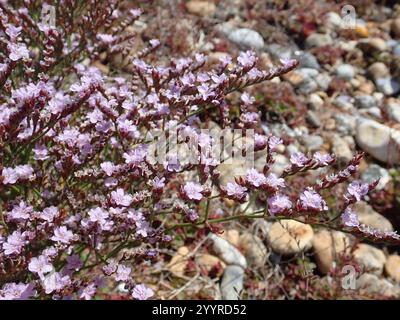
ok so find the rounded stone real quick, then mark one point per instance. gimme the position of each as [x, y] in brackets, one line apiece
[289, 237]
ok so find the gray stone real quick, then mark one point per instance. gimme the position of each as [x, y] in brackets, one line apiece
[378, 140]
[341, 149]
[318, 40]
[372, 284]
[333, 21]
[374, 111]
[344, 102]
[312, 142]
[308, 60]
[278, 51]
[253, 248]
[365, 102]
[323, 80]
[396, 50]
[315, 102]
[227, 252]
[247, 38]
[308, 72]
[374, 172]
[313, 119]
[368, 216]
[345, 124]
[232, 283]
[345, 71]
[393, 110]
[308, 86]
[388, 86]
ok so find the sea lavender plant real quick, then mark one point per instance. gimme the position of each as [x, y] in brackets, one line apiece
[78, 185]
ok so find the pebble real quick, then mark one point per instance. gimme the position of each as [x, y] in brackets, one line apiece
[312, 142]
[308, 60]
[246, 38]
[289, 237]
[378, 70]
[368, 216]
[201, 8]
[378, 140]
[178, 263]
[392, 267]
[374, 172]
[232, 283]
[388, 86]
[341, 149]
[345, 71]
[227, 252]
[393, 110]
[372, 284]
[344, 102]
[365, 102]
[313, 119]
[345, 124]
[209, 262]
[328, 245]
[318, 40]
[370, 258]
[253, 249]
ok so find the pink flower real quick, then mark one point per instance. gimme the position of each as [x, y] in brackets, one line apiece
[298, 159]
[193, 191]
[40, 153]
[21, 172]
[226, 60]
[274, 183]
[311, 200]
[14, 291]
[357, 190]
[106, 38]
[236, 191]
[74, 262]
[254, 178]
[22, 211]
[48, 214]
[87, 292]
[323, 159]
[18, 51]
[55, 282]
[40, 265]
[288, 63]
[120, 198]
[15, 243]
[136, 156]
[350, 218]
[141, 292]
[10, 176]
[273, 142]
[260, 142]
[247, 59]
[108, 167]
[247, 99]
[98, 215]
[123, 273]
[62, 235]
[128, 128]
[13, 32]
[205, 91]
[279, 204]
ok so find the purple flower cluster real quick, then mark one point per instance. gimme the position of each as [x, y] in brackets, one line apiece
[81, 199]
